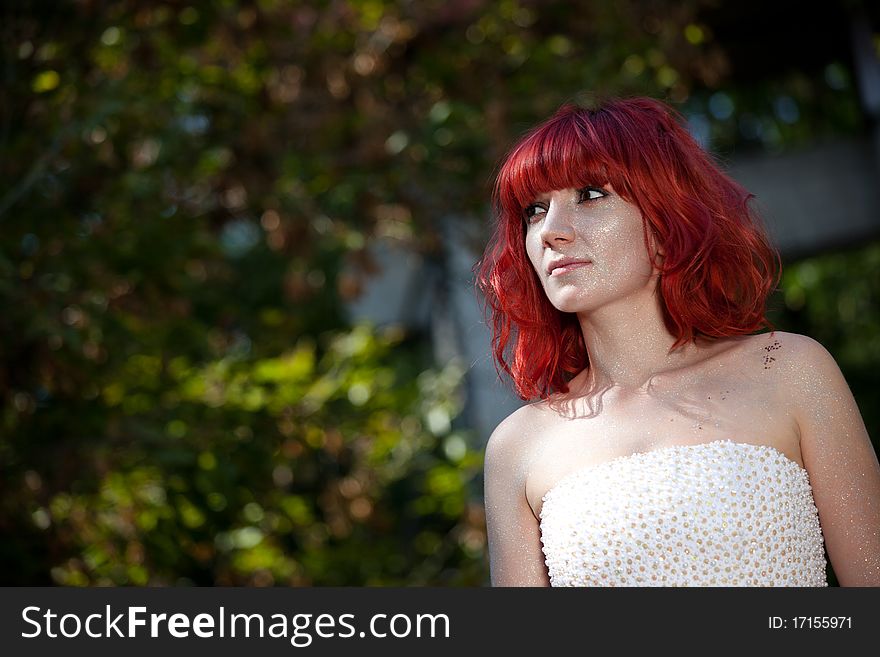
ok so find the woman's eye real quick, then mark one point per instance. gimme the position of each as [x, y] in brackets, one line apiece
[586, 193]
[531, 212]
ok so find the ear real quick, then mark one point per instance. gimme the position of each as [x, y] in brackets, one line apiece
[654, 245]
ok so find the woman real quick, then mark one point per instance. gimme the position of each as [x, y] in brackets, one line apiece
[670, 444]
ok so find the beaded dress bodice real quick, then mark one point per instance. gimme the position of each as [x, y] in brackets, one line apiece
[720, 513]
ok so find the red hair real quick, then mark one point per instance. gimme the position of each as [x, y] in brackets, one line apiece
[717, 268]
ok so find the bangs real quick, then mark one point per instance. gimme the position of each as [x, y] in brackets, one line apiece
[565, 152]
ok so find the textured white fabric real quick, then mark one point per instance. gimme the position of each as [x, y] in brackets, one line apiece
[720, 513]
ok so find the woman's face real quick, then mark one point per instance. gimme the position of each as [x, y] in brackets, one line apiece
[599, 229]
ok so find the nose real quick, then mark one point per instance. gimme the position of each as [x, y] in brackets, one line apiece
[557, 224]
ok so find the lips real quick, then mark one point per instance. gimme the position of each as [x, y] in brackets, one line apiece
[565, 265]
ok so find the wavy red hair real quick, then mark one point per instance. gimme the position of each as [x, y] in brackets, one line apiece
[718, 266]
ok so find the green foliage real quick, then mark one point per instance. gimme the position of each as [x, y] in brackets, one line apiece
[183, 400]
[299, 469]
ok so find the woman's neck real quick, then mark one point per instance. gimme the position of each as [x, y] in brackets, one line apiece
[628, 344]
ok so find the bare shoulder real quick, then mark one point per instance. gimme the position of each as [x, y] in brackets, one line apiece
[799, 360]
[790, 341]
[790, 371]
[508, 449]
[808, 379]
[785, 355]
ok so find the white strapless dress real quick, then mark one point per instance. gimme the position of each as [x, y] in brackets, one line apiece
[720, 513]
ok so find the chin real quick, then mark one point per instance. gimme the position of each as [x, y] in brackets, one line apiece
[569, 305]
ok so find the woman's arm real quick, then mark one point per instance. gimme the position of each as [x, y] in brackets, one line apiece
[515, 555]
[841, 462]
